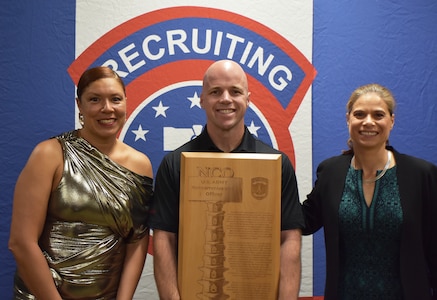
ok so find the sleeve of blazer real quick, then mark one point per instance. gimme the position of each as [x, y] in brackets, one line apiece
[321, 205]
[418, 186]
[430, 225]
[322, 202]
[312, 206]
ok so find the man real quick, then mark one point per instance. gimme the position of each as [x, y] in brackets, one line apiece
[225, 99]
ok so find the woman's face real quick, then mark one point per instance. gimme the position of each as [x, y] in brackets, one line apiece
[369, 122]
[103, 106]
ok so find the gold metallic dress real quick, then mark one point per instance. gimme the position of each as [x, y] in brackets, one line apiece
[98, 207]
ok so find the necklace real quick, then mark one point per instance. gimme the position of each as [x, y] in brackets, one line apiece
[387, 164]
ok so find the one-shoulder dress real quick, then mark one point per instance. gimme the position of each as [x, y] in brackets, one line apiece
[98, 207]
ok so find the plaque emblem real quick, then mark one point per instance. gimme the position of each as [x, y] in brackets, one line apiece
[260, 187]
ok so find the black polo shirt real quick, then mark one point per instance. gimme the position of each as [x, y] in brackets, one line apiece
[165, 205]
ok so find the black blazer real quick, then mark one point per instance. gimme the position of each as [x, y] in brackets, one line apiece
[417, 180]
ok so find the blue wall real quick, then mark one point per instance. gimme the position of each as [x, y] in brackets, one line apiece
[36, 95]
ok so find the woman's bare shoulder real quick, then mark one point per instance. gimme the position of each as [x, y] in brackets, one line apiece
[48, 150]
[137, 161]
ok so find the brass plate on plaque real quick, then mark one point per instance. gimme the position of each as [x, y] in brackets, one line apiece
[229, 226]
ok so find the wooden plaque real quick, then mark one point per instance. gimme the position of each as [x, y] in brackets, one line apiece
[229, 226]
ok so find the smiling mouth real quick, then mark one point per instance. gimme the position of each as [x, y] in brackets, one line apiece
[107, 121]
[368, 133]
[226, 111]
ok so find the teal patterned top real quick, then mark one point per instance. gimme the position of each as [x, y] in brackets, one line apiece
[370, 239]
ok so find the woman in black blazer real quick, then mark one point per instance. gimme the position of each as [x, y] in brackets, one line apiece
[378, 209]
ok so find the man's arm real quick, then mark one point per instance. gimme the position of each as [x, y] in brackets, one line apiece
[290, 274]
[165, 264]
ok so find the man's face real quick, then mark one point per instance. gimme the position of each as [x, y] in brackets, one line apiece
[225, 97]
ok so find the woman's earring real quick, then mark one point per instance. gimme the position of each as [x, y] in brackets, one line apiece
[81, 122]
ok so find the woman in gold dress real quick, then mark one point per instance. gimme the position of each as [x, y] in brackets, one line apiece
[81, 204]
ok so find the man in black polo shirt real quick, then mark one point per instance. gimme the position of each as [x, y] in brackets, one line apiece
[225, 99]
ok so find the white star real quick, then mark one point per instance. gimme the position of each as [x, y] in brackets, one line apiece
[195, 100]
[160, 109]
[253, 129]
[140, 133]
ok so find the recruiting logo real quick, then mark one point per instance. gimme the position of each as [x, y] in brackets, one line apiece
[162, 56]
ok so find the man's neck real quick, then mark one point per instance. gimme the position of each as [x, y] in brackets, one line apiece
[227, 140]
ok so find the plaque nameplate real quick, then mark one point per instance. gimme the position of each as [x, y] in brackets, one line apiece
[229, 226]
